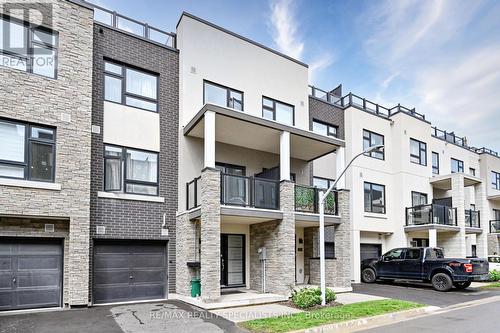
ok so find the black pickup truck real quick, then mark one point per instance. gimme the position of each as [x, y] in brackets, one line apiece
[425, 264]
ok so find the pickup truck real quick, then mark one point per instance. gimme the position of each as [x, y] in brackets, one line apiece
[426, 264]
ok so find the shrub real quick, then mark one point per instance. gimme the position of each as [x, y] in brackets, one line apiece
[309, 297]
[495, 275]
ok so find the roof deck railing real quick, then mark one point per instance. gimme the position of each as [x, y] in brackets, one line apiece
[449, 137]
[485, 150]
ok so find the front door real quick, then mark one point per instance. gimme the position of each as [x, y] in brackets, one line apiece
[232, 260]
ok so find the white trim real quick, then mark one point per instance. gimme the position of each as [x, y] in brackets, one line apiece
[376, 215]
[30, 184]
[126, 196]
[253, 209]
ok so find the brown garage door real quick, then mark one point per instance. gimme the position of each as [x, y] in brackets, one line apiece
[369, 251]
[30, 273]
[129, 271]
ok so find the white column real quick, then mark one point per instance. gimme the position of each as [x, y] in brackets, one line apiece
[322, 248]
[340, 165]
[433, 237]
[285, 155]
[209, 139]
[356, 256]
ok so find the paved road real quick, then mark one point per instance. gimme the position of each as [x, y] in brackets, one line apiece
[423, 293]
[475, 319]
[169, 316]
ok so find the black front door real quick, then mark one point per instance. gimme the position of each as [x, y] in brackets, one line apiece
[232, 260]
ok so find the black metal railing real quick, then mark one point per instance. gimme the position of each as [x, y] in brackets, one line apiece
[485, 150]
[192, 193]
[249, 191]
[472, 218]
[129, 25]
[449, 137]
[324, 95]
[307, 200]
[431, 214]
[494, 226]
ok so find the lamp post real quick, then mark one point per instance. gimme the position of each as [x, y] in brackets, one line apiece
[322, 198]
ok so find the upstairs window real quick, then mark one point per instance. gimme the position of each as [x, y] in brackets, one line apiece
[495, 180]
[322, 183]
[435, 163]
[219, 95]
[371, 139]
[418, 152]
[418, 199]
[472, 171]
[278, 111]
[457, 166]
[28, 151]
[374, 198]
[324, 128]
[28, 47]
[130, 86]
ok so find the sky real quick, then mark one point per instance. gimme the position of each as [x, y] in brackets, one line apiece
[440, 56]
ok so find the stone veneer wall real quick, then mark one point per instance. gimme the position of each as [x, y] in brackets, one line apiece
[185, 252]
[493, 244]
[64, 103]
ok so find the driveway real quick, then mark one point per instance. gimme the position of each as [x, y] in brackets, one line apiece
[168, 316]
[422, 293]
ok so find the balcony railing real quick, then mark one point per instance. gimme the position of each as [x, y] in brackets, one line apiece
[192, 193]
[431, 214]
[449, 137]
[485, 150]
[324, 95]
[495, 226]
[249, 191]
[472, 218]
[307, 200]
[134, 27]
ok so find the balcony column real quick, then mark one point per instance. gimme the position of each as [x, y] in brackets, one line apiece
[481, 201]
[340, 165]
[209, 152]
[433, 237]
[456, 248]
[285, 155]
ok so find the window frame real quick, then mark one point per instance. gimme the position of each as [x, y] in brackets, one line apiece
[420, 151]
[228, 95]
[472, 172]
[460, 165]
[434, 167]
[369, 138]
[28, 140]
[329, 180]
[328, 127]
[421, 194]
[333, 246]
[371, 202]
[273, 109]
[123, 78]
[496, 184]
[123, 170]
[30, 46]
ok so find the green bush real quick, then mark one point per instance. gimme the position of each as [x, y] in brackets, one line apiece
[495, 275]
[309, 297]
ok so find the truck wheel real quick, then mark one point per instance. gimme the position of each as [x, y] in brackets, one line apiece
[368, 275]
[442, 282]
[462, 285]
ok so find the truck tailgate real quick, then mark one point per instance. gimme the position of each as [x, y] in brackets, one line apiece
[479, 266]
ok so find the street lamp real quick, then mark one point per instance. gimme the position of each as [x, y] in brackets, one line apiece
[322, 197]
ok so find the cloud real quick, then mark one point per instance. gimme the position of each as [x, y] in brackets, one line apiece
[320, 63]
[284, 28]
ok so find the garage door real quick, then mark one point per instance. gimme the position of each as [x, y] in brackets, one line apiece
[129, 271]
[370, 251]
[30, 273]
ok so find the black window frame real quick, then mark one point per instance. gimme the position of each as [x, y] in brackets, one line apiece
[384, 206]
[330, 254]
[496, 184]
[422, 195]
[460, 165]
[30, 43]
[123, 78]
[273, 109]
[228, 95]
[435, 168]
[368, 138]
[329, 180]
[472, 172]
[28, 140]
[422, 149]
[123, 171]
[328, 128]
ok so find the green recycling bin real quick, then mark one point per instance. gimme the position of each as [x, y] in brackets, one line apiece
[195, 287]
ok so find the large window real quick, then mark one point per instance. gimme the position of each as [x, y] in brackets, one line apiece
[418, 199]
[323, 183]
[324, 128]
[130, 171]
[418, 152]
[278, 111]
[329, 250]
[495, 180]
[219, 95]
[374, 198]
[27, 47]
[457, 166]
[27, 151]
[130, 86]
[435, 163]
[371, 139]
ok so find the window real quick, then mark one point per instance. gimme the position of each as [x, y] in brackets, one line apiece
[435, 163]
[418, 199]
[324, 128]
[457, 166]
[27, 47]
[278, 111]
[495, 180]
[28, 151]
[131, 87]
[472, 171]
[323, 183]
[412, 254]
[394, 254]
[374, 198]
[330, 250]
[418, 152]
[371, 139]
[220, 95]
[231, 169]
[434, 253]
[130, 171]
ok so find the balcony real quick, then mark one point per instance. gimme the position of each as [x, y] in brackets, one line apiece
[250, 192]
[192, 191]
[495, 227]
[307, 200]
[472, 219]
[431, 214]
[449, 137]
